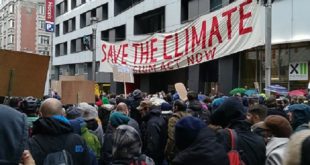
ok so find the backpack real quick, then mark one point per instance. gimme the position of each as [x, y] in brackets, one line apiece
[233, 155]
[58, 158]
[61, 157]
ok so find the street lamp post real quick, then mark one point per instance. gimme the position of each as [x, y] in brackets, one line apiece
[268, 45]
[94, 30]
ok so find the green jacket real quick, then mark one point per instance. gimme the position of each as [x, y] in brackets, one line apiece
[170, 146]
[91, 141]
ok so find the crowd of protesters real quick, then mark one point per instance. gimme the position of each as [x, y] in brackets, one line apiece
[159, 129]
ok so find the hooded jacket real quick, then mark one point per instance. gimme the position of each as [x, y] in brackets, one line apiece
[79, 127]
[301, 115]
[275, 150]
[251, 146]
[52, 135]
[13, 135]
[154, 135]
[204, 150]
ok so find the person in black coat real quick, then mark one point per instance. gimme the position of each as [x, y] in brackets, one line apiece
[53, 133]
[134, 102]
[116, 119]
[154, 131]
[197, 144]
[230, 115]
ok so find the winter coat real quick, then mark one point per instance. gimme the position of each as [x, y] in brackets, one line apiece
[204, 150]
[79, 127]
[52, 135]
[13, 135]
[132, 122]
[250, 145]
[134, 113]
[300, 115]
[275, 150]
[196, 109]
[106, 151]
[154, 135]
[170, 146]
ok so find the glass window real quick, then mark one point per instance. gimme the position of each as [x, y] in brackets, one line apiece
[11, 9]
[41, 9]
[11, 23]
[41, 24]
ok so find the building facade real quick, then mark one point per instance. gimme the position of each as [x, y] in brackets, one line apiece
[22, 26]
[119, 20]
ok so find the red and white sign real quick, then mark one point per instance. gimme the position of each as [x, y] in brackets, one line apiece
[236, 27]
[49, 15]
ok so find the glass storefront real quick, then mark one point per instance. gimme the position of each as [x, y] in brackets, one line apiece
[253, 64]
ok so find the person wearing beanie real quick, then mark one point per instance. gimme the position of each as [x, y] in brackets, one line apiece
[127, 147]
[116, 119]
[123, 108]
[154, 131]
[197, 144]
[231, 115]
[73, 113]
[299, 116]
[277, 131]
[134, 102]
[196, 109]
[179, 109]
[298, 149]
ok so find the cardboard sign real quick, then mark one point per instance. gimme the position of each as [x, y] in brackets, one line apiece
[180, 88]
[298, 71]
[74, 92]
[56, 85]
[122, 74]
[72, 78]
[22, 74]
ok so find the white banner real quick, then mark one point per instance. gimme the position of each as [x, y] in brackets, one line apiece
[236, 27]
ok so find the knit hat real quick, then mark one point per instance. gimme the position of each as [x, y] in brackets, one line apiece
[165, 106]
[73, 113]
[126, 143]
[217, 102]
[186, 131]
[231, 110]
[105, 100]
[175, 97]
[194, 106]
[277, 125]
[118, 118]
[88, 112]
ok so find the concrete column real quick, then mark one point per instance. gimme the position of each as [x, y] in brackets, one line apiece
[145, 83]
[228, 73]
[193, 78]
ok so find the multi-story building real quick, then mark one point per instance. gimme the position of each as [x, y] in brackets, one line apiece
[137, 19]
[22, 26]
